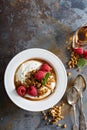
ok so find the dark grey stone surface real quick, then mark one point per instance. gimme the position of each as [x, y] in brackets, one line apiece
[45, 24]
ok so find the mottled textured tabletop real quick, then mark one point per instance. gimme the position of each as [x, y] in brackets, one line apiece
[46, 24]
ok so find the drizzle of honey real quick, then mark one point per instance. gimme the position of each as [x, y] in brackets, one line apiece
[82, 34]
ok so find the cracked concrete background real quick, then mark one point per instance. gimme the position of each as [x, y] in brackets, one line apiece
[45, 24]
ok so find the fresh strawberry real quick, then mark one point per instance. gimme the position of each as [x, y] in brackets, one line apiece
[45, 67]
[32, 91]
[79, 51]
[39, 75]
[21, 90]
[85, 52]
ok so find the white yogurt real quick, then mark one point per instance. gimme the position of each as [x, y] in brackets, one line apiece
[25, 68]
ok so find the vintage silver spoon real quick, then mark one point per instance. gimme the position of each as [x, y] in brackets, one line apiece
[80, 85]
[72, 98]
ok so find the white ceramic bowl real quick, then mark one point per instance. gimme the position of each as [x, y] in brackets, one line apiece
[46, 103]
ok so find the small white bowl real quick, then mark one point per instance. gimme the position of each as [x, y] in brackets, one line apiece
[61, 75]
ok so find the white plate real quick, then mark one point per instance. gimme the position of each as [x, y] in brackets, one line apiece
[46, 103]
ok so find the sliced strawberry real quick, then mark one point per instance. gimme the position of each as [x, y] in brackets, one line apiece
[79, 51]
[32, 91]
[39, 75]
[45, 67]
[21, 90]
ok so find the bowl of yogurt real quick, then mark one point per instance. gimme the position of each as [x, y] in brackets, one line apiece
[35, 79]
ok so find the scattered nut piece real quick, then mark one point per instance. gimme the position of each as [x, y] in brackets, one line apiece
[49, 120]
[53, 122]
[68, 74]
[59, 107]
[62, 117]
[45, 117]
[68, 48]
[43, 112]
[64, 126]
[59, 125]
[70, 66]
[62, 104]
[79, 69]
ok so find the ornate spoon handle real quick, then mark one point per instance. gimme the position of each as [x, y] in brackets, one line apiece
[82, 121]
[75, 127]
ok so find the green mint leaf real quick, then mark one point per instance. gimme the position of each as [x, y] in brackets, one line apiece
[44, 80]
[47, 76]
[82, 62]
